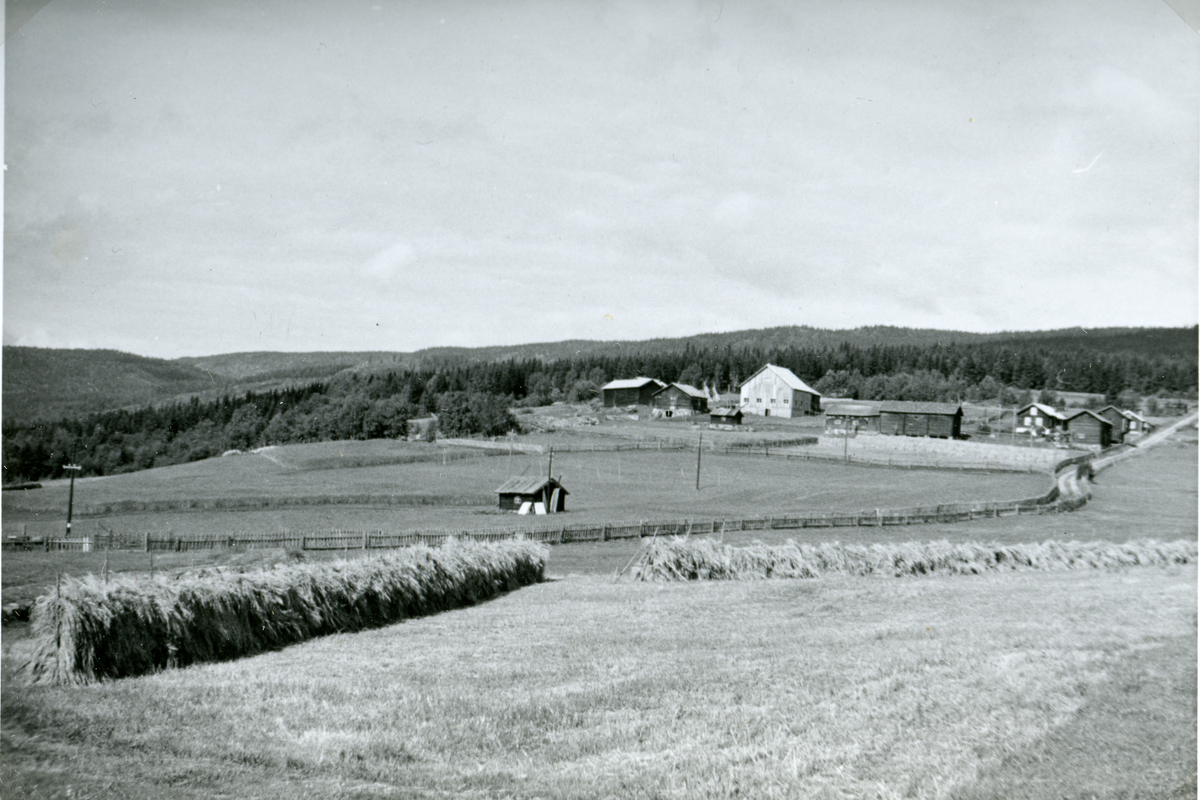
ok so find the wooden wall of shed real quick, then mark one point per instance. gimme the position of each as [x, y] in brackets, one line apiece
[944, 426]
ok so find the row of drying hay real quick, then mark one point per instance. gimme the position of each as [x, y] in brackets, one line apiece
[88, 629]
[700, 559]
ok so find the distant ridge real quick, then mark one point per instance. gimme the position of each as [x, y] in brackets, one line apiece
[41, 383]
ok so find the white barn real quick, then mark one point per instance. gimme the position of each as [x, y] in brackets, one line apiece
[777, 392]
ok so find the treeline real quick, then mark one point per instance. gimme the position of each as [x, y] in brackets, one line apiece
[348, 407]
[474, 397]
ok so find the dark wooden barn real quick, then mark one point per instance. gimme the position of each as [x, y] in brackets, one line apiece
[630, 392]
[516, 492]
[842, 417]
[1119, 420]
[725, 415]
[908, 418]
[1089, 429]
[677, 399]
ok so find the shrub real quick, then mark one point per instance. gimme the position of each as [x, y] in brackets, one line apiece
[130, 626]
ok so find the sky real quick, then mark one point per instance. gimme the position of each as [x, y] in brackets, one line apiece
[190, 178]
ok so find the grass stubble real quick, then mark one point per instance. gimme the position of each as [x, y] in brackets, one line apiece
[834, 687]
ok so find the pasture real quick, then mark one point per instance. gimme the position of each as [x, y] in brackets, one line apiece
[396, 486]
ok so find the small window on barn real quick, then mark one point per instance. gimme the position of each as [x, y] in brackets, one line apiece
[785, 401]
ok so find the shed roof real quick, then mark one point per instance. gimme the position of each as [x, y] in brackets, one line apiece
[914, 407]
[690, 391]
[1090, 413]
[525, 485]
[725, 411]
[787, 376]
[1135, 415]
[851, 409]
[1049, 411]
[630, 383]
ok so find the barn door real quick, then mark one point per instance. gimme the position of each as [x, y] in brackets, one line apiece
[556, 500]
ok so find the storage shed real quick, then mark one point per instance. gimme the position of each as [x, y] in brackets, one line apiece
[847, 417]
[908, 418]
[1039, 418]
[1121, 422]
[516, 492]
[678, 399]
[725, 415]
[630, 392]
[1089, 429]
[777, 392]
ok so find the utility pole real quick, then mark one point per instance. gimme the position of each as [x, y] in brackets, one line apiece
[550, 466]
[72, 468]
[699, 450]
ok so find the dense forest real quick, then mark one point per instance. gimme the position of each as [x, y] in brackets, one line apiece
[474, 395]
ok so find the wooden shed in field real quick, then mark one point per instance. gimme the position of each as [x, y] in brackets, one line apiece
[725, 415]
[630, 392]
[850, 417]
[676, 399]
[514, 493]
[777, 392]
[1039, 418]
[909, 418]
[1089, 429]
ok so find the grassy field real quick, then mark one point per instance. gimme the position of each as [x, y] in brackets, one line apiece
[1017, 685]
[841, 687]
[331, 485]
[1153, 495]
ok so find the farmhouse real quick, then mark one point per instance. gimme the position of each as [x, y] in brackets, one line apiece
[1038, 418]
[777, 392]
[1089, 429]
[848, 417]
[524, 494]
[678, 399]
[630, 392]
[725, 415]
[906, 418]
[1119, 420]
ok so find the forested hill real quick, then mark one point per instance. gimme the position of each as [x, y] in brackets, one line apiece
[41, 383]
[167, 412]
[48, 384]
[1145, 341]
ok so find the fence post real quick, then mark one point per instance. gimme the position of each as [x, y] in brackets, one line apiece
[604, 532]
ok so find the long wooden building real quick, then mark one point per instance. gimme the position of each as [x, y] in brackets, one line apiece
[851, 417]
[908, 418]
[630, 392]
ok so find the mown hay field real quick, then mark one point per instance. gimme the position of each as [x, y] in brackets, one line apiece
[931, 687]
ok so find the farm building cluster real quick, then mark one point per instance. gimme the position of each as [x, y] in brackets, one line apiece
[1104, 428]
[772, 391]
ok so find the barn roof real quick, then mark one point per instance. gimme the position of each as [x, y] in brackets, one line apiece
[630, 383]
[914, 407]
[1049, 411]
[787, 376]
[691, 391]
[524, 485]
[1090, 413]
[851, 409]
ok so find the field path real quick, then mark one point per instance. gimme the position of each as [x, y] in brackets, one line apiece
[1154, 439]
